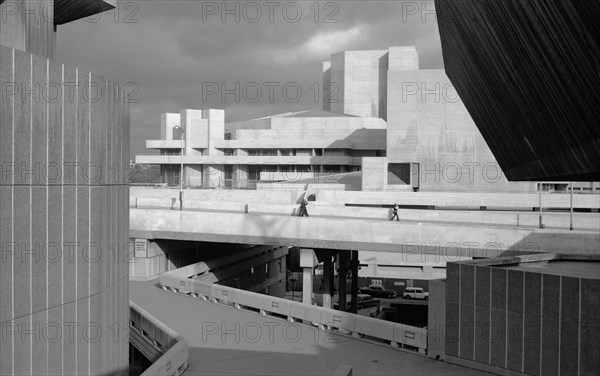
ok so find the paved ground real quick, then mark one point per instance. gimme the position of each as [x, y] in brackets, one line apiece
[226, 341]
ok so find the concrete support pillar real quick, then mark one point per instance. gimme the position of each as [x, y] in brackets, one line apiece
[308, 261]
[328, 284]
[241, 176]
[192, 176]
[213, 175]
[307, 285]
[354, 269]
[343, 268]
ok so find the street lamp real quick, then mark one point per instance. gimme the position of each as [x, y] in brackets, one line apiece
[181, 171]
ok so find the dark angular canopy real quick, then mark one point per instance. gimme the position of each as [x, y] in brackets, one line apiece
[66, 11]
[529, 74]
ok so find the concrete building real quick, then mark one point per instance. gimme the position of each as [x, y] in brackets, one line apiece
[286, 147]
[64, 220]
[376, 104]
[534, 315]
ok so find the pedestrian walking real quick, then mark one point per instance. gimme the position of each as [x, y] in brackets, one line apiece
[395, 213]
[303, 211]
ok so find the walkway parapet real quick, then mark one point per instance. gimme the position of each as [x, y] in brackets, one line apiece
[160, 344]
[394, 334]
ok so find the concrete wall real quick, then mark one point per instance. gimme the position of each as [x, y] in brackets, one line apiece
[588, 221]
[374, 174]
[529, 322]
[459, 199]
[241, 196]
[28, 25]
[216, 129]
[436, 320]
[357, 83]
[326, 100]
[167, 123]
[428, 124]
[64, 222]
[196, 131]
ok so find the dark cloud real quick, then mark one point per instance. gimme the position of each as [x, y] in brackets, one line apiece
[167, 49]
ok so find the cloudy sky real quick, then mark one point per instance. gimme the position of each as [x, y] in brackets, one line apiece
[178, 52]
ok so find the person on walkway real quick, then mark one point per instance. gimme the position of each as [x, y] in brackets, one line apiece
[395, 213]
[303, 210]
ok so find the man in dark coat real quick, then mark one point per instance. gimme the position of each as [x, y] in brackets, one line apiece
[395, 213]
[303, 211]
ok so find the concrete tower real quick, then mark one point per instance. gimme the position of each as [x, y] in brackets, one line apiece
[64, 151]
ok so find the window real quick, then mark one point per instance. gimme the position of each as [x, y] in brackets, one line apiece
[332, 168]
[305, 152]
[262, 152]
[269, 168]
[399, 173]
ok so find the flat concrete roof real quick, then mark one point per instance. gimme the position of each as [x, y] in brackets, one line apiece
[567, 268]
[316, 113]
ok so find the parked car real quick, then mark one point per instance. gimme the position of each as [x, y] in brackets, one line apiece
[364, 301]
[378, 292]
[415, 293]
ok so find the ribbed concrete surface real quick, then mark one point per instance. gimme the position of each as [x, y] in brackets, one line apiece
[64, 223]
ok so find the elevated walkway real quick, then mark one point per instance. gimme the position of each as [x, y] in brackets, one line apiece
[445, 239]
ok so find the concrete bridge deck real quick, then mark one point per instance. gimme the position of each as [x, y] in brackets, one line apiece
[443, 238]
[226, 341]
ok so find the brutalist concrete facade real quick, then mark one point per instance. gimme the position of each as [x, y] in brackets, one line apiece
[535, 315]
[64, 224]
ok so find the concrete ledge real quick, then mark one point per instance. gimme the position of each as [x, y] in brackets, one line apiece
[525, 219]
[453, 199]
[174, 348]
[343, 371]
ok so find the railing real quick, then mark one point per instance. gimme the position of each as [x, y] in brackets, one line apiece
[165, 348]
[397, 335]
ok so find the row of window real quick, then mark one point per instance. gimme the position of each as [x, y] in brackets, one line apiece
[293, 152]
[308, 152]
